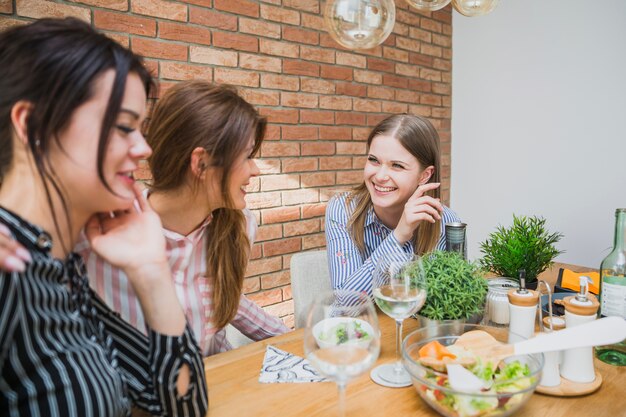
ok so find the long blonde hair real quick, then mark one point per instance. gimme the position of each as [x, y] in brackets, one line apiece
[214, 117]
[418, 136]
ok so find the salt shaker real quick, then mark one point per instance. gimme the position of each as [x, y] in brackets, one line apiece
[522, 311]
[578, 363]
[550, 377]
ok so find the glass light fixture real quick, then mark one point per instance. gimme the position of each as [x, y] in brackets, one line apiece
[472, 8]
[360, 24]
[428, 5]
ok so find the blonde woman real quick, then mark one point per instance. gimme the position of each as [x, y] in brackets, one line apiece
[395, 209]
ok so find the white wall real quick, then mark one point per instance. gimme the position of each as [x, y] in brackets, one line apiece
[539, 120]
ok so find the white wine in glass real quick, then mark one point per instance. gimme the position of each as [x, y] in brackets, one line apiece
[341, 337]
[399, 289]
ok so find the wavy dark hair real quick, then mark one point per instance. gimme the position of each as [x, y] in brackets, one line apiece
[53, 64]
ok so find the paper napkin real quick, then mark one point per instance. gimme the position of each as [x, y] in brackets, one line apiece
[280, 366]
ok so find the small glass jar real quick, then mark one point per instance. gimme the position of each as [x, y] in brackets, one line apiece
[497, 303]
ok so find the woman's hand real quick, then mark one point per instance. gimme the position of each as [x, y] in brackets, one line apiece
[13, 256]
[418, 208]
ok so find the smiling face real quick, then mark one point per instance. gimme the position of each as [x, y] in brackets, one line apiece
[76, 162]
[392, 174]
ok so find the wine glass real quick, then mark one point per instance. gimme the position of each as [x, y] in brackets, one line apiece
[399, 289]
[341, 337]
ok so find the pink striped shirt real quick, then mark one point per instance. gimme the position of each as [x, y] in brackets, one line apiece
[194, 289]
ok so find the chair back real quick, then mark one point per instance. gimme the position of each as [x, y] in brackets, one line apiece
[309, 276]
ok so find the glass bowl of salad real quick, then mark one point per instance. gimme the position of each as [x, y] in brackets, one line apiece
[507, 385]
[338, 331]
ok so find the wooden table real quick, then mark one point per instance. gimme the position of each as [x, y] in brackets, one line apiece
[234, 389]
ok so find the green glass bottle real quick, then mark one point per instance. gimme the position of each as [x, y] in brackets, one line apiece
[613, 289]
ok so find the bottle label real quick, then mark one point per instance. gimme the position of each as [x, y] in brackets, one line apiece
[613, 298]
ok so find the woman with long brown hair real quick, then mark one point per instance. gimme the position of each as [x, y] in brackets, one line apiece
[203, 137]
[395, 209]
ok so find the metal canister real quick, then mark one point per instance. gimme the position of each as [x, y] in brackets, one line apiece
[456, 237]
[497, 302]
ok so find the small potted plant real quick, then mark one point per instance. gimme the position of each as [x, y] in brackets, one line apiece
[456, 288]
[527, 245]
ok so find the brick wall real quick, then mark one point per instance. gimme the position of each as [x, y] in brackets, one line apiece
[320, 99]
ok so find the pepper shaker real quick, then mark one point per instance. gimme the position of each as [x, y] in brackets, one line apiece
[550, 377]
[582, 308]
[522, 311]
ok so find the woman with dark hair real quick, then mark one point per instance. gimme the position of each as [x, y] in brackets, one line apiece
[204, 138]
[395, 209]
[71, 106]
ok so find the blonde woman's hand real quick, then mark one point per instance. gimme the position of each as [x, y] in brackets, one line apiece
[419, 208]
[13, 256]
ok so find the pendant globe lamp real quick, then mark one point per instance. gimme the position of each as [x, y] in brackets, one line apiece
[428, 5]
[473, 8]
[359, 24]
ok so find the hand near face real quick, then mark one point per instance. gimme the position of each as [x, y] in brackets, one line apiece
[13, 256]
[131, 240]
[419, 208]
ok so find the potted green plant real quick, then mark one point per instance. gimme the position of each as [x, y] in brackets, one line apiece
[456, 288]
[526, 244]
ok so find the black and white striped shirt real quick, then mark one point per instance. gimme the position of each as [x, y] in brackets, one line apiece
[63, 352]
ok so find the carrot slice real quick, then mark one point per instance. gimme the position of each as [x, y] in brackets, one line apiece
[435, 349]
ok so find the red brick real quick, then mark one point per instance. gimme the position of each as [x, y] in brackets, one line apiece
[431, 50]
[317, 54]
[395, 81]
[254, 186]
[313, 241]
[374, 119]
[380, 92]
[278, 48]
[430, 99]
[264, 266]
[268, 166]
[272, 132]
[350, 148]
[236, 77]
[291, 66]
[441, 112]
[7, 22]
[271, 232]
[236, 41]
[368, 77]
[280, 82]
[335, 132]
[420, 110]
[180, 71]
[312, 6]
[242, 7]
[123, 40]
[203, 3]
[292, 197]
[280, 182]
[269, 149]
[349, 177]
[276, 279]
[442, 88]
[318, 148]
[407, 96]
[380, 65]
[349, 118]
[263, 200]
[327, 193]
[299, 133]
[315, 85]
[212, 19]
[311, 21]
[281, 310]
[335, 103]
[160, 8]
[360, 133]
[38, 9]
[431, 25]
[213, 56]
[408, 70]
[317, 117]
[152, 66]
[351, 89]
[420, 85]
[305, 100]
[300, 228]
[157, 49]
[251, 284]
[121, 5]
[443, 15]
[408, 44]
[163, 87]
[299, 164]
[280, 115]
[260, 97]
[336, 73]
[258, 27]
[184, 32]
[334, 163]
[318, 179]
[358, 162]
[442, 64]
[411, 18]
[400, 29]
[390, 107]
[121, 22]
[295, 34]
[366, 105]
[279, 14]
[429, 74]
[265, 298]
[351, 60]
[420, 34]
[395, 54]
[289, 320]
[259, 62]
[420, 59]
[280, 247]
[313, 210]
[280, 215]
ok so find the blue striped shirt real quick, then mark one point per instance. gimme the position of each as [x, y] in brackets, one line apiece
[349, 268]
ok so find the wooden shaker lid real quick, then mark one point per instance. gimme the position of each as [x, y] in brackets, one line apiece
[574, 307]
[523, 300]
[557, 323]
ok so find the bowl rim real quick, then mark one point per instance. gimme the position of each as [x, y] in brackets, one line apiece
[539, 357]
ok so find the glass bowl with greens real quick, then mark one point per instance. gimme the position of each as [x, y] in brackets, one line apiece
[507, 386]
